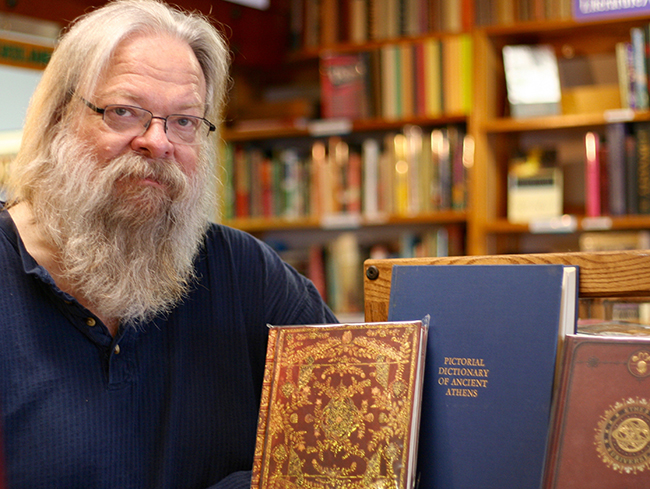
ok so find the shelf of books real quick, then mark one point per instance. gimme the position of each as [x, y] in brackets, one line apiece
[546, 109]
[383, 168]
[564, 153]
[327, 203]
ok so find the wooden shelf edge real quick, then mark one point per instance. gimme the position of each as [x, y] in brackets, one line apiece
[567, 121]
[260, 224]
[608, 223]
[314, 52]
[367, 125]
[559, 26]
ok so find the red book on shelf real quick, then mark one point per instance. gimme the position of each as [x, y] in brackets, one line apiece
[344, 86]
[242, 183]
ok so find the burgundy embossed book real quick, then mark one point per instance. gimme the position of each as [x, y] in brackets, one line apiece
[340, 406]
[601, 428]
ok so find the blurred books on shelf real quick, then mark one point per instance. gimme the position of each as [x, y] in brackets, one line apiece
[617, 170]
[334, 263]
[535, 187]
[614, 240]
[345, 86]
[416, 78]
[399, 174]
[532, 80]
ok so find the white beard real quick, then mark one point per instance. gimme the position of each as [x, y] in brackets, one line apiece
[126, 248]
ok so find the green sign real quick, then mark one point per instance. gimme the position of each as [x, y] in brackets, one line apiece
[23, 54]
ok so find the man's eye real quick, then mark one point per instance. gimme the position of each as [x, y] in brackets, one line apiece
[186, 122]
[123, 112]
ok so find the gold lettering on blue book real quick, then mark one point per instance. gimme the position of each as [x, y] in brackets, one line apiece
[463, 376]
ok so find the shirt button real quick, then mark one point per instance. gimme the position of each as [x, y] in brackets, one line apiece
[117, 349]
[91, 322]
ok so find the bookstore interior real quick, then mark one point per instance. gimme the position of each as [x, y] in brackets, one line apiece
[366, 129]
[371, 130]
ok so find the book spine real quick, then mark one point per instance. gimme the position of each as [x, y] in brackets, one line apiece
[444, 170]
[228, 158]
[370, 178]
[642, 131]
[631, 185]
[242, 183]
[255, 161]
[401, 175]
[433, 85]
[459, 173]
[465, 73]
[641, 78]
[623, 73]
[257, 482]
[592, 175]
[615, 140]
[420, 78]
[358, 21]
[413, 150]
[329, 22]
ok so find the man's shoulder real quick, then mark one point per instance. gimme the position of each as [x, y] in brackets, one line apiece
[8, 234]
[221, 235]
[237, 245]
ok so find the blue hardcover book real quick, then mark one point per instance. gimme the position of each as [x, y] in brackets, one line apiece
[490, 366]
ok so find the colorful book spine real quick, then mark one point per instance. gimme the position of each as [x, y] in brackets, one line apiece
[616, 179]
[642, 132]
[641, 78]
[592, 175]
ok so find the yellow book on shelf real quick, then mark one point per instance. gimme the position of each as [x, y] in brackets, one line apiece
[465, 73]
[451, 87]
[388, 82]
[400, 143]
[433, 80]
[407, 86]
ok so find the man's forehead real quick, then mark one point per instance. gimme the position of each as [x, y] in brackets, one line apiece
[153, 62]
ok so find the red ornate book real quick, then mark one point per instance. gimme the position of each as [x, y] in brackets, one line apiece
[601, 429]
[340, 406]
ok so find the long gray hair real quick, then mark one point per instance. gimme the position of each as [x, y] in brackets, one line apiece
[83, 55]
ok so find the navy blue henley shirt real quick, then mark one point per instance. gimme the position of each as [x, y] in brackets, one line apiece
[171, 404]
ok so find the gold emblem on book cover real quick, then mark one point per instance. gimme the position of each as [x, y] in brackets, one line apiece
[639, 363]
[623, 436]
[344, 417]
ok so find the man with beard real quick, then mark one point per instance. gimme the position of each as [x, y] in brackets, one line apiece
[134, 331]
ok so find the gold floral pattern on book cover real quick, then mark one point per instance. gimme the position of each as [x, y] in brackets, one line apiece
[340, 406]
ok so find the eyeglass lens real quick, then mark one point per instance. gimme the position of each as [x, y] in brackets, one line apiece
[135, 121]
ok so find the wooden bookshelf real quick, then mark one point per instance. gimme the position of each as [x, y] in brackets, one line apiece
[498, 136]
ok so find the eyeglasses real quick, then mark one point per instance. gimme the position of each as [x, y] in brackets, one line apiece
[134, 121]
